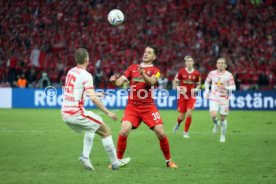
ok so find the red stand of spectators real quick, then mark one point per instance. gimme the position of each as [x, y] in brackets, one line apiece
[242, 32]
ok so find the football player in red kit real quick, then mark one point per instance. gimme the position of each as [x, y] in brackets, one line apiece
[188, 81]
[141, 106]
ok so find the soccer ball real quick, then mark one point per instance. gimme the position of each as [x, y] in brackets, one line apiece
[116, 17]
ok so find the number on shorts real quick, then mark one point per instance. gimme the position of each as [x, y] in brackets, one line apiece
[156, 116]
[69, 84]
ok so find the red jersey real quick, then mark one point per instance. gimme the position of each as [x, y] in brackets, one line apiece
[188, 79]
[140, 92]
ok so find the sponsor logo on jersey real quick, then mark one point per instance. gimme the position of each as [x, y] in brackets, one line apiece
[218, 83]
[188, 82]
[138, 79]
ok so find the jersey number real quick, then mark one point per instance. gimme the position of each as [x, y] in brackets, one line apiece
[156, 116]
[69, 85]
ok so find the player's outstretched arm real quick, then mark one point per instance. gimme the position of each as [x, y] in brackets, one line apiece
[94, 97]
[117, 81]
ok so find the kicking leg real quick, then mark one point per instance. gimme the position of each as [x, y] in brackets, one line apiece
[107, 141]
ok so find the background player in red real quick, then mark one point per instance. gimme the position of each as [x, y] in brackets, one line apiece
[188, 82]
[141, 106]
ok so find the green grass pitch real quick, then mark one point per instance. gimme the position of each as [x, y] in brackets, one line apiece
[37, 147]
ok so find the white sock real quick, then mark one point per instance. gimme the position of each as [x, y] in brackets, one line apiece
[110, 149]
[88, 143]
[223, 127]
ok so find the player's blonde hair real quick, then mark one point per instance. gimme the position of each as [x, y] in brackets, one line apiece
[223, 59]
[80, 55]
[188, 57]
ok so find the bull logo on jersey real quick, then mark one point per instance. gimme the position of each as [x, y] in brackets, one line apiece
[148, 72]
[218, 83]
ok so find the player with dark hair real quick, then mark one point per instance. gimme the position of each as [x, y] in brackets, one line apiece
[141, 106]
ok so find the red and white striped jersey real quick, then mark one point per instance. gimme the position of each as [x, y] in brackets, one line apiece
[221, 84]
[77, 81]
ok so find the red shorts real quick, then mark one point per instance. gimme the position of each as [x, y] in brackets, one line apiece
[184, 104]
[135, 114]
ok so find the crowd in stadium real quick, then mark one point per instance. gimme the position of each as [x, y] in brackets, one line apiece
[38, 39]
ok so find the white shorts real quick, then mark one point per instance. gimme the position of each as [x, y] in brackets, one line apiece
[218, 107]
[88, 121]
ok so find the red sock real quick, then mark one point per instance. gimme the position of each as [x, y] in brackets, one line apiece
[179, 120]
[165, 147]
[187, 123]
[121, 146]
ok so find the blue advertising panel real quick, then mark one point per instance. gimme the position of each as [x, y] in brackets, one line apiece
[117, 99]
